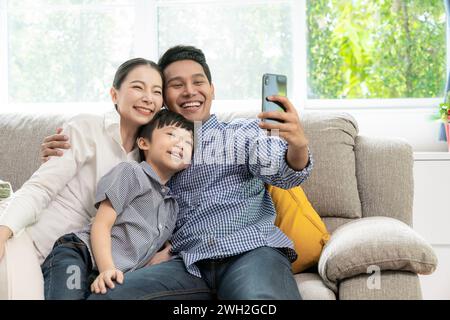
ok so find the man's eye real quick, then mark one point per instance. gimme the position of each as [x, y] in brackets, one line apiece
[177, 85]
[198, 83]
[158, 93]
[137, 87]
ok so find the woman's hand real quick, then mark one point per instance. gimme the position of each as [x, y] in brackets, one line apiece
[5, 234]
[105, 279]
[161, 256]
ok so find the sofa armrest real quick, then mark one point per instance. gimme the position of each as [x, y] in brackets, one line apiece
[384, 166]
[388, 285]
[371, 245]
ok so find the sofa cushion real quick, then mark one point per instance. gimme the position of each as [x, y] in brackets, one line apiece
[332, 187]
[301, 223]
[21, 138]
[311, 287]
[374, 244]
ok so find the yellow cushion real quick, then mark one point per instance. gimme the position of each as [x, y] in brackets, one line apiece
[301, 223]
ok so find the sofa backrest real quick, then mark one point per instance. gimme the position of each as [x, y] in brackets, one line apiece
[332, 187]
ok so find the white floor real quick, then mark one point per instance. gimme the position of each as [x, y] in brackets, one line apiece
[437, 285]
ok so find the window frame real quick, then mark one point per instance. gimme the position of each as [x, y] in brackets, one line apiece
[147, 28]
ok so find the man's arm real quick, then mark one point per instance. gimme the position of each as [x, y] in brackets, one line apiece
[51, 145]
[291, 130]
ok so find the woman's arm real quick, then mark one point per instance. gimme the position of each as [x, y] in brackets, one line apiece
[5, 234]
[26, 204]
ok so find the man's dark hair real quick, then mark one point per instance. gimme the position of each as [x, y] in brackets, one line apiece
[161, 119]
[181, 52]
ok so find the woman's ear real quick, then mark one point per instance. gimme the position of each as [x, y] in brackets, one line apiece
[113, 94]
[143, 143]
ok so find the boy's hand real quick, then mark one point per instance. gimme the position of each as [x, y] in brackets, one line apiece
[51, 145]
[161, 256]
[105, 279]
[290, 127]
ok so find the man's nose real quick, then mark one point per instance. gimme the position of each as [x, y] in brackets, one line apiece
[189, 90]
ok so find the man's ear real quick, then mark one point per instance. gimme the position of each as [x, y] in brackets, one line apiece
[212, 89]
[143, 143]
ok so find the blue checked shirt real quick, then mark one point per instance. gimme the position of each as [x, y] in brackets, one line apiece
[225, 209]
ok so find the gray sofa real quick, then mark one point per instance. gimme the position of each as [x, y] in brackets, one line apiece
[361, 186]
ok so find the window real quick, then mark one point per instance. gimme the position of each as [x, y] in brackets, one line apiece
[66, 51]
[242, 40]
[376, 49]
[334, 52]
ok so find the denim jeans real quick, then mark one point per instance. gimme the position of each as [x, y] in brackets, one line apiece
[263, 273]
[67, 270]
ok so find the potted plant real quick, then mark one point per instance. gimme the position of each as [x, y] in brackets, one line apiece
[443, 116]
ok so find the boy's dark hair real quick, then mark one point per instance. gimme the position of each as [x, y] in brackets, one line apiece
[181, 52]
[161, 119]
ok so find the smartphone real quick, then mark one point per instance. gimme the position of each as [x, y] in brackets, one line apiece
[273, 85]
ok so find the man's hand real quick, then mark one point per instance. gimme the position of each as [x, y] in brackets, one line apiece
[105, 279]
[51, 145]
[290, 129]
[161, 256]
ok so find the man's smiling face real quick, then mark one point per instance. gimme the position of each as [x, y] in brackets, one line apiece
[187, 90]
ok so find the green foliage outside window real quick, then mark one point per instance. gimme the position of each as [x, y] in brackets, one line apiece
[376, 48]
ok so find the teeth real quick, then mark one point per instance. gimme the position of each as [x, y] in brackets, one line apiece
[144, 109]
[191, 104]
[176, 155]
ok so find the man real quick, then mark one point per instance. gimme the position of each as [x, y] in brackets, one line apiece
[225, 244]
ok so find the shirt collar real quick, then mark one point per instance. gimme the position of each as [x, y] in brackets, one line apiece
[112, 125]
[165, 190]
[211, 123]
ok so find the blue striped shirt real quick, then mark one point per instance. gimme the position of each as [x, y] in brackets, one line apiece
[225, 209]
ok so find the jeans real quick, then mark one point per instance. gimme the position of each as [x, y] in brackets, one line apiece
[67, 270]
[262, 273]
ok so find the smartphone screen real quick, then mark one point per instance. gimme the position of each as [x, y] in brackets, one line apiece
[273, 85]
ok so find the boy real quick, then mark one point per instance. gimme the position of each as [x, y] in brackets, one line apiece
[136, 215]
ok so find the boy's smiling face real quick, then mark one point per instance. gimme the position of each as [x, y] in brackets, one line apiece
[169, 150]
[188, 90]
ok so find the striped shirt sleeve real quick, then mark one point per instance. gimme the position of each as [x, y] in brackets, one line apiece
[120, 186]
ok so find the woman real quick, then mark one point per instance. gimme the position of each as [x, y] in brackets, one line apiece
[59, 196]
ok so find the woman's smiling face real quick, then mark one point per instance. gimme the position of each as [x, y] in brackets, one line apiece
[139, 96]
